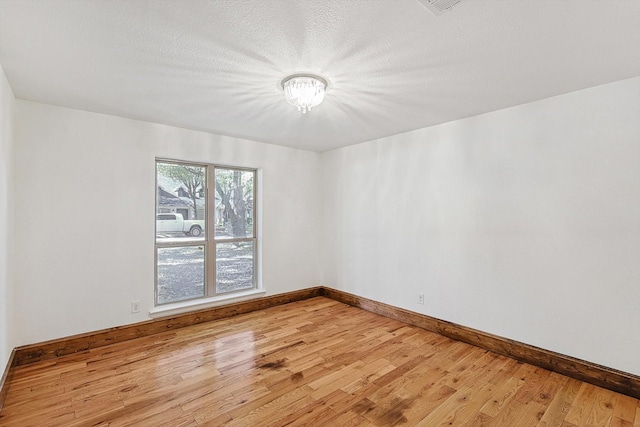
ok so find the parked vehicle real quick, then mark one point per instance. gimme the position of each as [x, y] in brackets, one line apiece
[174, 223]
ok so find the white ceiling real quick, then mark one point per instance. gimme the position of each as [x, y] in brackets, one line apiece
[393, 66]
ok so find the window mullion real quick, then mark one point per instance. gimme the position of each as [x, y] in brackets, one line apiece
[210, 224]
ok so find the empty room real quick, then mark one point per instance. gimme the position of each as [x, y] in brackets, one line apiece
[320, 213]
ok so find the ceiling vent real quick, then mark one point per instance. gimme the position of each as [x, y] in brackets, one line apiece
[438, 7]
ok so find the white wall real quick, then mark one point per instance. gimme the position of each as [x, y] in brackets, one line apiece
[7, 101]
[524, 222]
[84, 200]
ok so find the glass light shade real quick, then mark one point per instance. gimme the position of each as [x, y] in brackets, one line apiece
[304, 91]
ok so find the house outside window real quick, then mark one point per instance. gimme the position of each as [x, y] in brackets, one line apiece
[205, 231]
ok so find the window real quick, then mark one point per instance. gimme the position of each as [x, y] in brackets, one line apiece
[205, 231]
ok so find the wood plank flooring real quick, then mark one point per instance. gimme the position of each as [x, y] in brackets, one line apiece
[316, 362]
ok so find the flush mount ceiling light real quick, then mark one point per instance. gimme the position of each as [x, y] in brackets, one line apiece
[304, 91]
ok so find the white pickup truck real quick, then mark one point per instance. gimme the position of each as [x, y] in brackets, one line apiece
[174, 223]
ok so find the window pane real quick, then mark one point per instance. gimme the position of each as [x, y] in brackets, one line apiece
[180, 273]
[234, 266]
[180, 202]
[234, 203]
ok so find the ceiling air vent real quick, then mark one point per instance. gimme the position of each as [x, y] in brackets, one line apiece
[439, 6]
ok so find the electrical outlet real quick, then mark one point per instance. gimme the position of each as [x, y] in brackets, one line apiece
[420, 298]
[135, 307]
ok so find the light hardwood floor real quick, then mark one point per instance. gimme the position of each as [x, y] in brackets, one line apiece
[316, 362]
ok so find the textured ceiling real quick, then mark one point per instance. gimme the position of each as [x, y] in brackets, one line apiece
[393, 66]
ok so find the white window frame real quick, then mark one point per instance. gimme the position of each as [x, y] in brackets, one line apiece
[209, 242]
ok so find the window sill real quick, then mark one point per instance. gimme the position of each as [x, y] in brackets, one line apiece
[193, 305]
